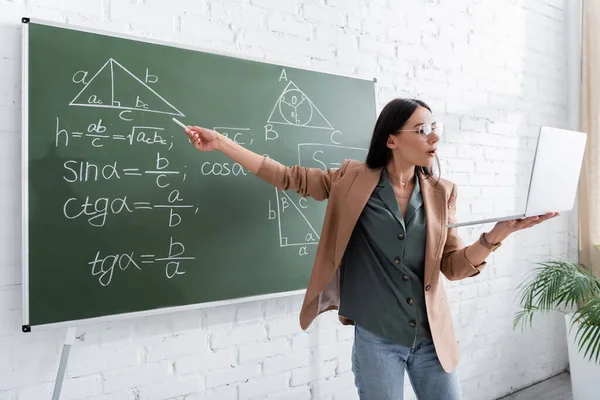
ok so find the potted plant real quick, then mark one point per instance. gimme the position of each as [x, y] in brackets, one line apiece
[575, 291]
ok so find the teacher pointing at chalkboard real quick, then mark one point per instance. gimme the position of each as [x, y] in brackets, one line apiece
[383, 246]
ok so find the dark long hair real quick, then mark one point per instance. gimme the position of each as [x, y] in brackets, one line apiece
[393, 116]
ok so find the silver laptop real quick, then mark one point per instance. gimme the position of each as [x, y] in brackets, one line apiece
[554, 176]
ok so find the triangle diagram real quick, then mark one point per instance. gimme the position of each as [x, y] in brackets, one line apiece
[295, 108]
[113, 86]
[294, 228]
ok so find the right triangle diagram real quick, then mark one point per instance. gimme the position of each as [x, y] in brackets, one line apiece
[295, 108]
[113, 86]
[295, 228]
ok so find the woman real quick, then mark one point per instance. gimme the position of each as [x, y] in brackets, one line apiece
[383, 245]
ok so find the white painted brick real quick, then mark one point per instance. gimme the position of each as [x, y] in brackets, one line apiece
[11, 323]
[239, 15]
[420, 22]
[330, 352]
[265, 40]
[172, 388]
[187, 322]
[108, 335]
[72, 389]
[80, 388]
[126, 378]
[354, 22]
[10, 297]
[8, 396]
[221, 393]
[285, 362]
[356, 57]
[505, 180]
[263, 386]
[230, 375]
[453, 33]
[462, 165]
[501, 154]
[35, 392]
[345, 332]
[471, 124]
[329, 320]
[176, 346]
[289, 6]
[312, 373]
[205, 362]
[359, 5]
[336, 36]
[11, 85]
[220, 316]
[309, 48]
[294, 304]
[325, 14]
[297, 393]
[502, 285]
[374, 44]
[333, 385]
[283, 327]
[203, 31]
[238, 335]
[482, 179]
[145, 21]
[255, 351]
[328, 65]
[89, 360]
[153, 331]
[199, 7]
[253, 311]
[290, 24]
[304, 49]
[471, 152]
[123, 395]
[434, 42]
[300, 341]
[284, 58]
[352, 394]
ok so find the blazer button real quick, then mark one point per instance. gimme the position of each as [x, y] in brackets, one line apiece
[427, 287]
[404, 277]
[397, 260]
[409, 301]
[412, 323]
[401, 236]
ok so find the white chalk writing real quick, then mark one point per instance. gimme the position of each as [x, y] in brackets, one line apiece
[103, 265]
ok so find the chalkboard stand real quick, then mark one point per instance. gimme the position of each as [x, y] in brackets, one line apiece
[62, 367]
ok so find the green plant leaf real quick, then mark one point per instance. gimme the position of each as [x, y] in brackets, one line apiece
[559, 285]
[556, 284]
[588, 331]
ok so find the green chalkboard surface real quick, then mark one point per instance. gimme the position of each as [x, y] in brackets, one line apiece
[123, 216]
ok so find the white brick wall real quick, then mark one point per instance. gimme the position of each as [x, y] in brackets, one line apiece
[493, 70]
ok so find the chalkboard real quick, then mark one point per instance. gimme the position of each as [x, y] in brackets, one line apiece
[122, 216]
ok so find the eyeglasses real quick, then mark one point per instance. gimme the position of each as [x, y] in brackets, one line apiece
[426, 130]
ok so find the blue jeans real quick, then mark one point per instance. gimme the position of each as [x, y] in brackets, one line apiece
[379, 366]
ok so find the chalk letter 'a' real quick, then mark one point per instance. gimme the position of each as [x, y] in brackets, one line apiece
[283, 76]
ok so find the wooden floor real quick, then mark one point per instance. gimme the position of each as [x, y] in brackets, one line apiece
[556, 388]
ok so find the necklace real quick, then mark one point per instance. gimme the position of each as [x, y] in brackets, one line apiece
[397, 177]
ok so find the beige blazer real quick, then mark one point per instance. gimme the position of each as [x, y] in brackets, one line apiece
[347, 190]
